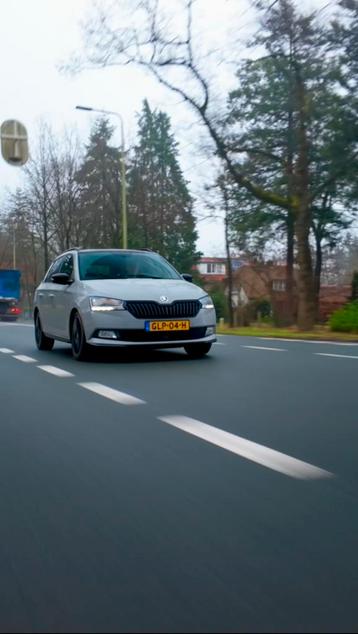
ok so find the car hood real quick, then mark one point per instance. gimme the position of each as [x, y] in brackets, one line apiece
[147, 290]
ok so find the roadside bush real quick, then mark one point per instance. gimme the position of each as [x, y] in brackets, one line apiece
[220, 302]
[258, 310]
[264, 308]
[345, 319]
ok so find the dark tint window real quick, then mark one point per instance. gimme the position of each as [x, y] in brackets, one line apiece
[54, 268]
[115, 266]
[66, 265]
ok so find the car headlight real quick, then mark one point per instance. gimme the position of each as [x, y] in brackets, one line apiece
[206, 302]
[106, 304]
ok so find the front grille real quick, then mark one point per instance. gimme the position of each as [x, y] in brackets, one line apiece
[152, 310]
[143, 336]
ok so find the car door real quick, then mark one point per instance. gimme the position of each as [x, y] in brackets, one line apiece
[62, 299]
[44, 297]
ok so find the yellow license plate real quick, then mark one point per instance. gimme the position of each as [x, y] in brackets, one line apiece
[167, 326]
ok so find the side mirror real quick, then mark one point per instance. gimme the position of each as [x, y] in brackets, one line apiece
[61, 278]
[187, 277]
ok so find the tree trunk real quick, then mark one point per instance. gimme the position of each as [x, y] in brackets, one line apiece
[290, 223]
[228, 258]
[45, 239]
[229, 276]
[306, 294]
[290, 269]
[317, 272]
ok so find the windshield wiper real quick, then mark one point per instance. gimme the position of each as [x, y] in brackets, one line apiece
[146, 277]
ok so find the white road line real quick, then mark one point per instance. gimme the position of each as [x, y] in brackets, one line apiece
[316, 341]
[264, 456]
[24, 358]
[340, 356]
[17, 325]
[218, 343]
[113, 395]
[7, 351]
[265, 348]
[51, 369]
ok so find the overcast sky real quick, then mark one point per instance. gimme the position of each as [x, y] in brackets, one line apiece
[36, 35]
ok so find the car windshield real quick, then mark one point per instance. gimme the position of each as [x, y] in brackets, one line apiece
[113, 266]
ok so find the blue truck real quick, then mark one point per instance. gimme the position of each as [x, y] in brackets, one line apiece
[10, 293]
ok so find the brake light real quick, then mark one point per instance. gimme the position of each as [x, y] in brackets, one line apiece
[15, 311]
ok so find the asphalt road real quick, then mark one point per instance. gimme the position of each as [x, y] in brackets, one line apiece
[130, 500]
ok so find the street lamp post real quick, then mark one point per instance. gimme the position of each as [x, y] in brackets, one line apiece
[14, 245]
[123, 171]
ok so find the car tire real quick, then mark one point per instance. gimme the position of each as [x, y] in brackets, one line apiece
[197, 350]
[42, 341]
[80, 348]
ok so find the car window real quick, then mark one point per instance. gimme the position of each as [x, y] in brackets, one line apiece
[67, 265]
[54, 268]
[100, 266]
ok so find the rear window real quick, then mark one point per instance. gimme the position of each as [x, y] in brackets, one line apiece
[96, 265]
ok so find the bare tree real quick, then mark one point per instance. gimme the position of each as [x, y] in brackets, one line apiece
[39, 192]
[21, 246]
[65, 159]
[169, 54]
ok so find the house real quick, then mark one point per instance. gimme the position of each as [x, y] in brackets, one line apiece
[252, 282]
[331, 298]
[258, 282]
[213, 270]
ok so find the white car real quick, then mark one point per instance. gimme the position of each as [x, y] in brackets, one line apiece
[115, 297]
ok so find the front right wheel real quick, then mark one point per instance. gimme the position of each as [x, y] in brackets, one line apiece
[197, 350]
[80, 348]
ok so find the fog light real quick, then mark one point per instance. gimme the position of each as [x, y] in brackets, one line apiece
[107, 334]
[210, 330]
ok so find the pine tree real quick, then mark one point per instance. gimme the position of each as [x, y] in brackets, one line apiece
[99, 180]
[160, 206]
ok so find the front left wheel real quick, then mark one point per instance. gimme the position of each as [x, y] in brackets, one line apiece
[197, 350]
[80, 348]
[42, 341]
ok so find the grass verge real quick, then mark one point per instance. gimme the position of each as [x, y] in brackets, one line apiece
[321, 333]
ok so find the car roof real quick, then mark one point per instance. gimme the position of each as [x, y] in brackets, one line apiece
[78, 250]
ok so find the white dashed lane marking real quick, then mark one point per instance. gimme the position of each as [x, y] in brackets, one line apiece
[24, 358]
[265, 348]
[340, 356]
[260, 454]
[111, 394]
[16, 325]
[7, 351]
[51, 369]
[316, 341]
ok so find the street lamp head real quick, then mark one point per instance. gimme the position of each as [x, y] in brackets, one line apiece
[84, 108]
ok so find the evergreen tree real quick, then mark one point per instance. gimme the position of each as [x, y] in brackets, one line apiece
[160, 206]
[285, 141]
[99, 181]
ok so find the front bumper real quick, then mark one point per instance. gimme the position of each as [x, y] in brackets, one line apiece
[131, 331]
[178, 343]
